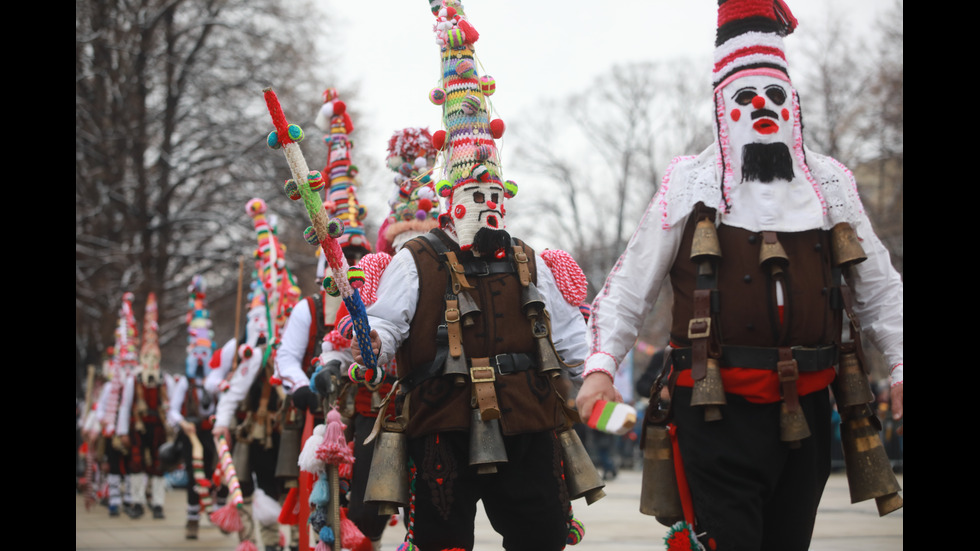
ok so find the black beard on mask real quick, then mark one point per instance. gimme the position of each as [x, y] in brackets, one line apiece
[766, 162]
[488, 241]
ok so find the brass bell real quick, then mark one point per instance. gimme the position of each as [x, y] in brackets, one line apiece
[792, 425]
[467, 308]
[869, 473]
[659, 496]
[548, 360]
[457, 368]
[532, 303]
[709, 391]
[289, 448]
[852, 387]
[581, 476]
[240, 459]
[846, 248]
[772, 250]
[388, 479]
[486, 444]
[704, 245]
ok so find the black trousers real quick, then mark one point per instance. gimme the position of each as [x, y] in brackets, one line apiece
[750, 491]
[526, 500]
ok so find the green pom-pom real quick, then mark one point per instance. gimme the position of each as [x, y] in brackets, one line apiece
[330, 286]
[335, 228]
[444, 188]
[510, 188]
[273, 140]
[295, 132]
[291, 189]
[309, 234]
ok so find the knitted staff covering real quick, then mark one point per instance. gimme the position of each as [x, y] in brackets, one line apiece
[228, 517]
[371, 373]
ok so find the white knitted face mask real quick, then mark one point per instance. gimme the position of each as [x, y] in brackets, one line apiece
[476, 206]
[758, 109]
[256, 325]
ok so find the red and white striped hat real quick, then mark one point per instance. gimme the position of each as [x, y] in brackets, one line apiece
[749, 39]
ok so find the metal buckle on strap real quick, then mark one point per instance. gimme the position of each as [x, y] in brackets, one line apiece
[452, 315]
[478, 268]
[485, 379]
[699, 328]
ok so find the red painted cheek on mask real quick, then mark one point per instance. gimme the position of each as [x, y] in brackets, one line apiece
[785, 114]
[736, 114]
[459, 211]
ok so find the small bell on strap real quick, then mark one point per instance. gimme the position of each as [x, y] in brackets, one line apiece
[468, 309]
[847, 250]
[486, 444]
[581, 476]
[659, 496]
[792, 423]
[709, 391]
[852, 387]
[771, 251]
[532, 303]
[704, 245]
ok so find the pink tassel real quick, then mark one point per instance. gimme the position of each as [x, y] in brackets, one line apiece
[227, 518]
[321, 546]
[334, 449]
[247, 545]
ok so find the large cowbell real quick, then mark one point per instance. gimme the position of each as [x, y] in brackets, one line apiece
[388, 479]
[581, 476]
[486, 444]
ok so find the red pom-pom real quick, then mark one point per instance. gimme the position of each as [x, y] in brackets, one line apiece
[438, 139]
[425, 204]
[339, 108]
[275, 381]
[471, 35]
[497, 128]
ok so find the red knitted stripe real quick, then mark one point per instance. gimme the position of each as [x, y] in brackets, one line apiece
[278, 117]
[732, 11]
[752, 50]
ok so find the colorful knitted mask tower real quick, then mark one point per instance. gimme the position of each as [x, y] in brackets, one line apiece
[473, 181]
[200, 337]
[342, 176]
[126, 359]
[414, 206]
[150, 350]
[759, 130]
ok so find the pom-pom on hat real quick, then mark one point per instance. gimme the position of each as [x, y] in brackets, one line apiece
[750, 38]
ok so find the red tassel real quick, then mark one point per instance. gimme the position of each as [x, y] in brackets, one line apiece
[289, 514]
[227, 518]
[351, 536]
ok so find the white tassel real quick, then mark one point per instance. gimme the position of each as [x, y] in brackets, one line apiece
[308, 460]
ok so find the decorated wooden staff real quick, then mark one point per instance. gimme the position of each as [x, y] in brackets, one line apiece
[324, 231]
[232, 517]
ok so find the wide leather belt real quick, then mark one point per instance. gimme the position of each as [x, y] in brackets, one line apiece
[754, 357]
[503, 364]
[482, 267]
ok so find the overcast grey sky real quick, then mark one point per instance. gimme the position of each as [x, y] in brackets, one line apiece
[537, 51]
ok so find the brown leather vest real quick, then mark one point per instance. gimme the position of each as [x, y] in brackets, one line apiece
[527, 400]
[747, 313]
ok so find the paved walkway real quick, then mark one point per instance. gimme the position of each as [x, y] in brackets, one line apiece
[612, 523]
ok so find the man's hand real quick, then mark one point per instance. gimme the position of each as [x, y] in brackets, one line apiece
[897, 405]
[219, 431]
[303, 398]
[355, 349]
[187, 427]
[597, 386]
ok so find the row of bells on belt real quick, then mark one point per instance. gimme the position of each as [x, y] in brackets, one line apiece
[388, 481]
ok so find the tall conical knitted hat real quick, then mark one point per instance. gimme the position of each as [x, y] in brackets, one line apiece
[276, 289]
[473, 181]
[126, 358]
[749, 38]
[414, 206]
[200, 337]
[150, 349]
[340, 172]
